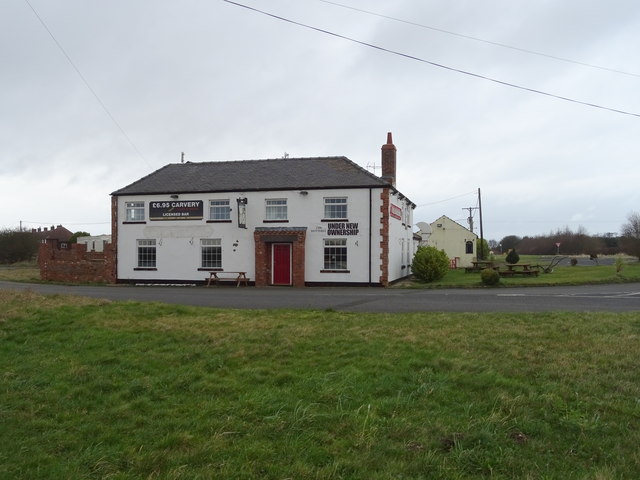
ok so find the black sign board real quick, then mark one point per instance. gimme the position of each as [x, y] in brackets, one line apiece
[176, 210]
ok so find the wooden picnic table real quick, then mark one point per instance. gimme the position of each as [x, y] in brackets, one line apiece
[240, 277]
[522, 269]
[479, 265]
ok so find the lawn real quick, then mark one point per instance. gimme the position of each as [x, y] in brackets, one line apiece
[20, 272]
[96, 389]
[561, 275]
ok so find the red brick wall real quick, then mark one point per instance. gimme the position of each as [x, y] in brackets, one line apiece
[298, 254]
[263, 242]
[76, 264]
[114, 236]
[384, 233]
[263, 261]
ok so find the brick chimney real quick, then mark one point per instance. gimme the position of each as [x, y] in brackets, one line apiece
[389, 161]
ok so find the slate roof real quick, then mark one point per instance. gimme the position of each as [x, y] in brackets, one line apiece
[255, 175]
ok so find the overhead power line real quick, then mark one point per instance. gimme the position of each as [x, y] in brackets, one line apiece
[86, 83]
[477, 39]
[434, 64]
[447, 199]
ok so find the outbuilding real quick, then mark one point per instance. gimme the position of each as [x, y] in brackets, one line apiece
[459, 243]
[285, 221]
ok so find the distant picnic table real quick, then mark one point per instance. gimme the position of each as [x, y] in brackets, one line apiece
[520, 269]
[479, 266]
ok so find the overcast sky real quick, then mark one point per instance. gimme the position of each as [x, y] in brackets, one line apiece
[108, 92]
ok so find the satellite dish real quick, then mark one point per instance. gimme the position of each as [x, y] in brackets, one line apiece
[424, 228]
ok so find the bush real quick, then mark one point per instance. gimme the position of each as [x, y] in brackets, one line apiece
[430, 264]
[619, 264]
[489, 276]
[512, 256]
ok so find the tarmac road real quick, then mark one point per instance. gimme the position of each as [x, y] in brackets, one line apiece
[593, 298]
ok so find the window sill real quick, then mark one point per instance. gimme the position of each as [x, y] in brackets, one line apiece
[275, 221]
[219, 221]
[145, 269]
[335, 271]
[202, 269]
[134, 223]
[335, 220]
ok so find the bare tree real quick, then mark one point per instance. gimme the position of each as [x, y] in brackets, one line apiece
[631, 235]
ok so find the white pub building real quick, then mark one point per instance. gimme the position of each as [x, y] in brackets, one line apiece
[286, 221]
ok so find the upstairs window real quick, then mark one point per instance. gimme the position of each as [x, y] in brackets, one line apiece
[276, 209]
[335, 208]
[219, 210]
[211, 249]
[134, 212]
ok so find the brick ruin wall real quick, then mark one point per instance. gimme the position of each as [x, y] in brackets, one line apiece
[75, 264]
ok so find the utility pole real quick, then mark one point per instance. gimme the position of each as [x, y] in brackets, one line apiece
[481, 249]
[470, 217]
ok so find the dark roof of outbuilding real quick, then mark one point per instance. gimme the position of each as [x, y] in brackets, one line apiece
[255, 175]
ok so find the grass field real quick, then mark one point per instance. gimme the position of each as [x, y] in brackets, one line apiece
[563, 275]
[93, 389]
[20, 272]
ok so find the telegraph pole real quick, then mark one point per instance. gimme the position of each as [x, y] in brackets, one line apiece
[481, 249]
[470, 217]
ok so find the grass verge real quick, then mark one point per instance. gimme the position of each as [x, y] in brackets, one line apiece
[561, 275]
[20, 272]
[95, 389]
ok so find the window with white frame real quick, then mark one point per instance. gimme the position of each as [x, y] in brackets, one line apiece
[276, 209]
[335, 254]
[211, 249]
[219, 210]
[134, 211]
[146, 253]
[335, 208]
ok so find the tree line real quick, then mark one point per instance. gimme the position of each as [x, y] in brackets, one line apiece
[21, 246]
[568, 242]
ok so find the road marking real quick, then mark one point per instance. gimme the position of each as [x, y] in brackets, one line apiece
[630, 295]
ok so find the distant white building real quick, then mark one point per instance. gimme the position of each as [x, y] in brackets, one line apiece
[459, 243]
[95, 243]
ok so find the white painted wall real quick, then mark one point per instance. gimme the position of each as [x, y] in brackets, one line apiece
[451, 237]
[178, 241]
[400, 238]
[95, 243]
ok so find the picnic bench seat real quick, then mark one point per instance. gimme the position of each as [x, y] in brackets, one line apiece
[520, 269]
[239, 277]
[479, 266]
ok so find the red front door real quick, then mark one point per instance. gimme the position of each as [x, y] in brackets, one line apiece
[281, 255]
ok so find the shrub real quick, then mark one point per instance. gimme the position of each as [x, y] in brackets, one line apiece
[489, 276]
[573, 262]
[430, 264]
[512, 256]
[619, 264]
